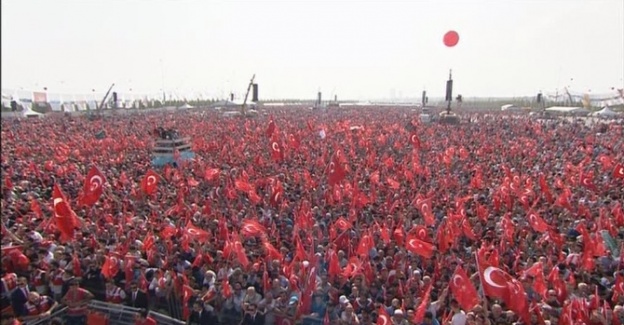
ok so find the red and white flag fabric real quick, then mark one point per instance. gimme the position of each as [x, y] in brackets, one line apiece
[92, 189]
[64, 216]
[277, 151]
[618, 171]
[537, 223]
[149, 183]
[252, 228]
[335, 172]
[463, 290]
[383, 318]
[417, 246]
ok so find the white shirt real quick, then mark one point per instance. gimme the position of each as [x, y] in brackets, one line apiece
[459, 318]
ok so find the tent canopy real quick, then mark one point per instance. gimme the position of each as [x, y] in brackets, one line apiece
[605, 111]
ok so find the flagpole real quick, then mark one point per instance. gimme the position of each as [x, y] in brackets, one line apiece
[481, 291]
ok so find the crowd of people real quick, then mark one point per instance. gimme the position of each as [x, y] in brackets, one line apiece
[343, 217]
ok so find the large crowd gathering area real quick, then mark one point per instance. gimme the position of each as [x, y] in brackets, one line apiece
[313, 217]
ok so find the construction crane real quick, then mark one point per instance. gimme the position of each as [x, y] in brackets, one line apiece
[244, 106]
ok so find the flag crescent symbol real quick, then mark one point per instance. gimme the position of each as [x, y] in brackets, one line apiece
[415, 244]
[413, 138]
[96, 182]
[422, 233]
[151, 180]
[192, 232]
[487, 277]
[57, 201]
[457, 283]
[331, 167]
[275, 147]
[384, 319]
[621, 171]
[533, 219]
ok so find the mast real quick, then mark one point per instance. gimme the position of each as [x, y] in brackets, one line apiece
[244, 106]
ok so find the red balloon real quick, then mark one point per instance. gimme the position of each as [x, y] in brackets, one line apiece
[451, 38]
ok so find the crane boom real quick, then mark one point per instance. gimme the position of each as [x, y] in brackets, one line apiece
[244, 106]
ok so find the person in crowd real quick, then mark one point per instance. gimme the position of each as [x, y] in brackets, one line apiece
[143, 318]
[201, 316]
[38, 307]
[114, 294]
[76, 299]
[136, 298]
[252, 316]
[19, 297]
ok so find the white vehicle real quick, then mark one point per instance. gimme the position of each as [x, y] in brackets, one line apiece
[425, 118]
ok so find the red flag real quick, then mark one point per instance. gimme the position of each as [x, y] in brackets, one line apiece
[336, 172]
[92, 189]
[252, 228]
[270, 128]
[415, 141]
[197, 233]
[537, 223]
[424, 205]
[463, 290]
[618, 171]
[493, 280]
[277, 152]
[64, 216]
[211, 174]
[149, 182]
[110, 268]
[383, 318]
[417, 246]
[419, 314]
[587, 180]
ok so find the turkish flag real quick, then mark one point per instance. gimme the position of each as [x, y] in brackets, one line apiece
[110, 268]
[417, 246]
[424, 205]
[537, 223]
[383, 318]
[252, 228]
[415, 141]
[463, 290]
[493, 280]
[64, 216]
[618, 171]
[92, 189]
[149, 183]
[336, 172]
[271, 251]
[270, 128]
[197, 233]
[277, 152]
[421, 233]
[211, 174]
[419, 313]
[587, 180]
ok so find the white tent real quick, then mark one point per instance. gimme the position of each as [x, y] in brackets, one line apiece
[605, 112]
[510, 107]
[186, 106]
[30, 113]
[567, 110]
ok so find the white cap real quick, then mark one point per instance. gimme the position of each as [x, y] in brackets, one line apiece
[398, 312]
[343, 299]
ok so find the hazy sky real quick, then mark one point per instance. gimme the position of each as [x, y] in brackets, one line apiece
[355, 49]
